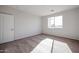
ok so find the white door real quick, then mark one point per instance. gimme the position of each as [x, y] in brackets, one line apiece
[7, 28]
[1, 26]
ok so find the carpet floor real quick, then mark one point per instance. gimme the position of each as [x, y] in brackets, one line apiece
[41, 44]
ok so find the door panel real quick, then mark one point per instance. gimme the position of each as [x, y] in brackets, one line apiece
[8, 28]
[1, 28]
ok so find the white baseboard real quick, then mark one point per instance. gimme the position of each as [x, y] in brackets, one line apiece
[70, 37]
[26, 35]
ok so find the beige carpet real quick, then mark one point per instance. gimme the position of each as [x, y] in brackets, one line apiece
[41, 44]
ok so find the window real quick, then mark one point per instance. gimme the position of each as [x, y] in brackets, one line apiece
[55, 22]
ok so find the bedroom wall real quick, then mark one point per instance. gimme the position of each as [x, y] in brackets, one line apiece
[70, 24]
[25, 24]
[77, 12]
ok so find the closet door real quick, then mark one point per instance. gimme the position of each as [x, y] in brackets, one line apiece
[1, 28]
[7, 28]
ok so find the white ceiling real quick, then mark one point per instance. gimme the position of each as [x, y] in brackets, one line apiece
[43, 10]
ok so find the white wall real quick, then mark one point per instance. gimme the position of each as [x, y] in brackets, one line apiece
[77, 12]
[70, 24]
[25, 24]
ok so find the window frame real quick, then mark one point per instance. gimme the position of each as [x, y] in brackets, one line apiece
[50, 26]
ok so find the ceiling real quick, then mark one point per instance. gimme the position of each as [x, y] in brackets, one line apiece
[43, 10]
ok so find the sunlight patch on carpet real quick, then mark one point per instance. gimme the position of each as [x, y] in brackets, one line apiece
[44, 46]
[61, 47]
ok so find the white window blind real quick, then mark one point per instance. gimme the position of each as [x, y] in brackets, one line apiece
[55, 22]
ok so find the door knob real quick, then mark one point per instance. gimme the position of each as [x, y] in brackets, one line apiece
[12, 29]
